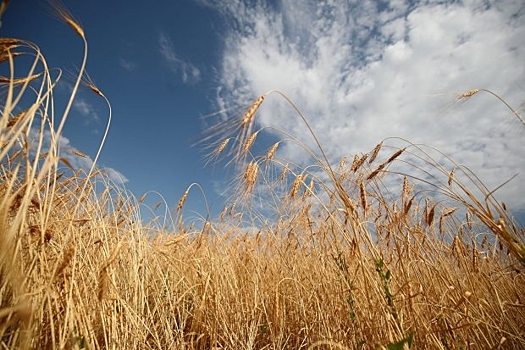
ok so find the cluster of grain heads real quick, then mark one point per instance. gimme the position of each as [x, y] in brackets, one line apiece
[358, 162]
[384, 164]
[247, 136]
[38, 205]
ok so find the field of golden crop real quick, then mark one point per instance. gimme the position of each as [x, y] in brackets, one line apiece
[342, 262]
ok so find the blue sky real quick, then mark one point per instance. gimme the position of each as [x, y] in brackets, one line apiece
[360, 72]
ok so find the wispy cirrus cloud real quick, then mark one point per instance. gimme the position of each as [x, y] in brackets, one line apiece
[86, 110]
[127, 64]
[365, 71]
[187, 72]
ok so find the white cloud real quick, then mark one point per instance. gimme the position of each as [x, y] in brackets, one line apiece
[366, 71]
[115, 176]
[75, 159]
[127, 65]
[87, 111]
[187, 71]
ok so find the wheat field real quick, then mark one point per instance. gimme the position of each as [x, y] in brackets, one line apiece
[335, 260]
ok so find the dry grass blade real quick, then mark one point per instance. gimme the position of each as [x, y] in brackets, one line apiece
[517, 115]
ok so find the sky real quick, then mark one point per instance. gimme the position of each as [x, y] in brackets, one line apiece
[360, 71]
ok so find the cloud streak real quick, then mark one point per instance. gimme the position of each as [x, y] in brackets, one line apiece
[366, 71]
[180, 67]
[128, 65]
[87, 110]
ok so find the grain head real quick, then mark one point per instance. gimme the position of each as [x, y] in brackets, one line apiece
[63, 13]
[250, 177]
